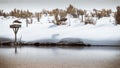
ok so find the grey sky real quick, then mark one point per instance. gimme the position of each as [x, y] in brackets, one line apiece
[49, 4]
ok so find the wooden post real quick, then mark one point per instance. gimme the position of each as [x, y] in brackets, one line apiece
[15, 44]
[15, 28]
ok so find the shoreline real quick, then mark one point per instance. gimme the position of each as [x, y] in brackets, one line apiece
[58, 46]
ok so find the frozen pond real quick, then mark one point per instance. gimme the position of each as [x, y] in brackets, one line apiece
[55, 57]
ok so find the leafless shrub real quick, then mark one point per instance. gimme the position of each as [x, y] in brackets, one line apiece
[89, 20]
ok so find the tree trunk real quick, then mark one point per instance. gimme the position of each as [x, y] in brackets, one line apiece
[82, 18]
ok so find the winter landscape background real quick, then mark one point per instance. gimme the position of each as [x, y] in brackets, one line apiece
[103, 32]
[51, 29]
[38, 5]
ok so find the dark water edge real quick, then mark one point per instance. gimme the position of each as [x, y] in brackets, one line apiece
[63, 45]
[9, 44]
[59, 46]
[6, 42]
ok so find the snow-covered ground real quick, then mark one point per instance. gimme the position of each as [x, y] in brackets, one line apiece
[105, 32]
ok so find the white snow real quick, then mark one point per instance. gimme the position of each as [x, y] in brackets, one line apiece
[105, 32]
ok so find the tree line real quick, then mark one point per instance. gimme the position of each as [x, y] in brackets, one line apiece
[60, 14]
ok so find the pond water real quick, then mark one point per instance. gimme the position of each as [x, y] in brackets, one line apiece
[56, 57]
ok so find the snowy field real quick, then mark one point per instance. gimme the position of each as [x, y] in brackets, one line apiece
[104, 32]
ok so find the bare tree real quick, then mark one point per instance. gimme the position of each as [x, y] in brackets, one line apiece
[117, 17]
[38, 16]
[62, 14]
[82, 13]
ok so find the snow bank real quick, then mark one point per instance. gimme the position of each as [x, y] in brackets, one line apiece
[105, 32]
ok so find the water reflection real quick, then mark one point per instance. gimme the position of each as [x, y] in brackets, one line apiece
[87, 57]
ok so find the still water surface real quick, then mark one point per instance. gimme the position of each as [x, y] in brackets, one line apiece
[55, 57]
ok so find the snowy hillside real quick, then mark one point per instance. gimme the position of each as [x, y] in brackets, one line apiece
[104, 32]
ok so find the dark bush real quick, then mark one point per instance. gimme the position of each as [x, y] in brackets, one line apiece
[37, 44]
